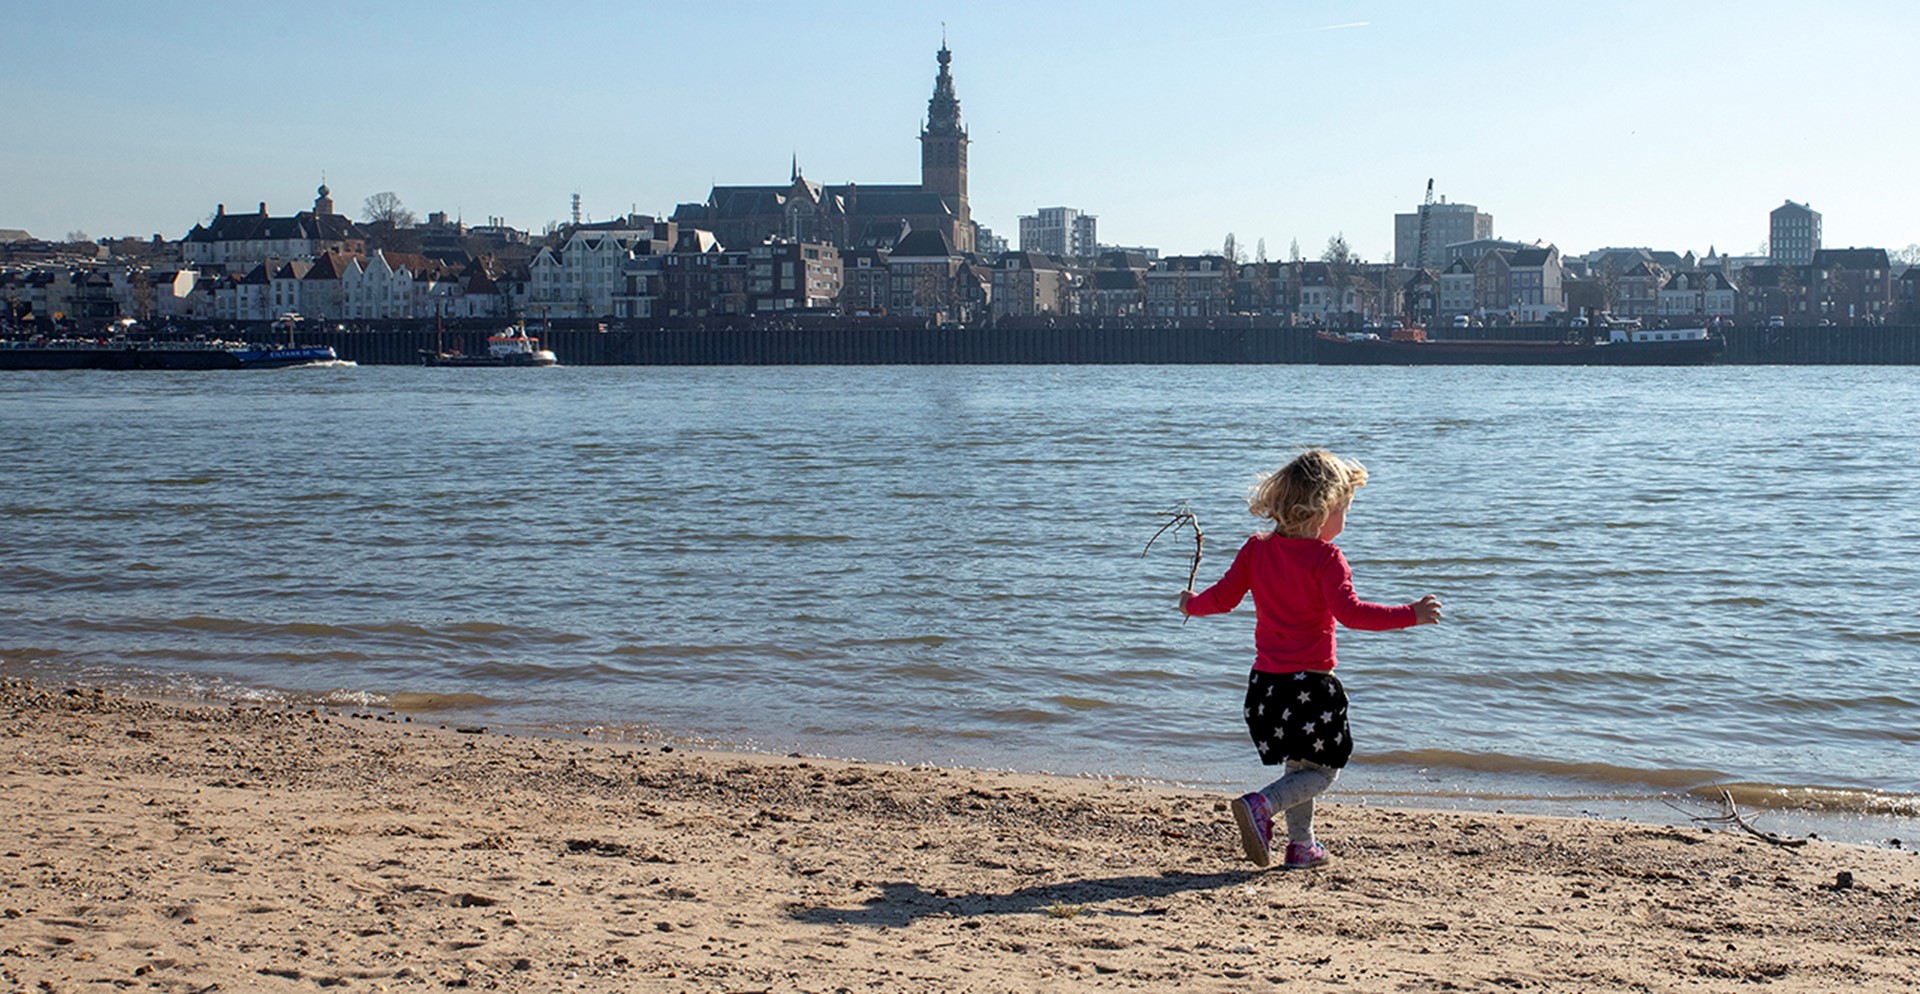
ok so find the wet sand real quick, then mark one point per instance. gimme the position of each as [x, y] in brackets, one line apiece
[158, 846]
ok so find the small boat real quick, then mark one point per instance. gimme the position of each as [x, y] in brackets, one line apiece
[1622, 347]
[512, 347]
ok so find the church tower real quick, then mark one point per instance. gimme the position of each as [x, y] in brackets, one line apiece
[943, 152]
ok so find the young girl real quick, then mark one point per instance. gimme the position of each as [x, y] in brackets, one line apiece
[1296, 709]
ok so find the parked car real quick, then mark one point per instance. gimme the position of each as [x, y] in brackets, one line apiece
[1462, 321]
[1776, 321]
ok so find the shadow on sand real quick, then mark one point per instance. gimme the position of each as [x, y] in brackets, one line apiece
[901, 904]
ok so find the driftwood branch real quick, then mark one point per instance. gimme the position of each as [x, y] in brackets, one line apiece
[1178, 517]
[1731, 816]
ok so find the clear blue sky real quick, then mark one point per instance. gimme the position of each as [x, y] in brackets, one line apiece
[1617, 123]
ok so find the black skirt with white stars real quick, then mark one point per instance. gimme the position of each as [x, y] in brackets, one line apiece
[1298, 716]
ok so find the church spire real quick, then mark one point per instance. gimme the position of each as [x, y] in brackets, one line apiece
[943, 110]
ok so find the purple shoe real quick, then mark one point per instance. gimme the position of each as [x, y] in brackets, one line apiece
[1302, 855]
[1255, 819]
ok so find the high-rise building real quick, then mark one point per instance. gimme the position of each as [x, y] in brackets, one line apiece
[1447, 224]
[1062, 231]
[1793, 234]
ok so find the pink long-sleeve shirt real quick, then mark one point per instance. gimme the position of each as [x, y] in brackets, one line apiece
[1300, 587]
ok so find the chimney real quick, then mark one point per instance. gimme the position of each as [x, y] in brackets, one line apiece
[219, 210]
[263, 208]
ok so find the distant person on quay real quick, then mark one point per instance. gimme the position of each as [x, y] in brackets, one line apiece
[1296, 709]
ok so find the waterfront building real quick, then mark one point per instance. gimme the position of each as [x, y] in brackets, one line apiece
[1065, 232]
[864, 286]
[1190, 286]
[792, 276]
[852, 214]
[1851, 285]
[1491, 285]
[1636, 293]
[1698, 295]
[987, 244]
[1264, 288]
[1534, 276]
[1793, 234]
[1447, 225]
[1030, 284]
[237, 242]
[1456, 289]
[927, 278]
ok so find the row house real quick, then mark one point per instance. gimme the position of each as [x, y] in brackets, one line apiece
[1492, 283]
[793, 276]
[1189, 286]
[1851, 285]
[1031, 284]
[1534, 280]
[1264, 288]
[1332, 296]
[1455, 289]
[928, 279]
[1695, 295]
[1115, 293]
[864, 287]
[1636, 291]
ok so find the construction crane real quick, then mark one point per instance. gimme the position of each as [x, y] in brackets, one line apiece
[1419, 257]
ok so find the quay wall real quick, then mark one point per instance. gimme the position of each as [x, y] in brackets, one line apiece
[848, 343]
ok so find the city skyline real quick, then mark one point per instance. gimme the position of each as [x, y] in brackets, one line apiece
[1629, 125]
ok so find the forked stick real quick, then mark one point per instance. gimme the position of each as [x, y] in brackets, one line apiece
[1732, 816]
[1181, 516]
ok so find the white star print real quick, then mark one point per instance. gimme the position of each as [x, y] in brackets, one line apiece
[1300, 676]
[1263, 748]
[1262, 709]
[1284, 715]
[1326, 716]
[1305, 697]
[1319, 746]
[1307, 729]
[1336, 738]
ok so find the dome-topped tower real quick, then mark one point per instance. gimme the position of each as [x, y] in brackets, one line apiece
[323, 204]
[943, 149]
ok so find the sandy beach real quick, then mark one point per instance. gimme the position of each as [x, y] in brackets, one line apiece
[175, 847]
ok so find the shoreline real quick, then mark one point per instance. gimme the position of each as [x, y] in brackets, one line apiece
[170, 846]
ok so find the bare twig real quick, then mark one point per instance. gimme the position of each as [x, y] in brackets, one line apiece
[1731, 816]
[1181, 516]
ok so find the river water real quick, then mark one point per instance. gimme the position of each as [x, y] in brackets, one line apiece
[1659, 582]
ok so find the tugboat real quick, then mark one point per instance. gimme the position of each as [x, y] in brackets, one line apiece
[511, 347]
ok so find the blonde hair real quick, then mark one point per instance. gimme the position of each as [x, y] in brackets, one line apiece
[1302, 494]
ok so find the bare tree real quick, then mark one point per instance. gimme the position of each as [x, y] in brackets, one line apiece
[1293, 250]
[76, 236]
[1340, 261]
[385, 208]
[1909, 256]
[1232, 251]
[1260, 251]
